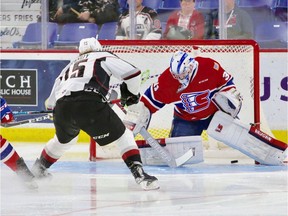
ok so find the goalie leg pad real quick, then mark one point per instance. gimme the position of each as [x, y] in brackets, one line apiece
[177, 146]
[247, 139]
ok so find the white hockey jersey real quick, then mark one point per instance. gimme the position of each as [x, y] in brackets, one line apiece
[93, 70]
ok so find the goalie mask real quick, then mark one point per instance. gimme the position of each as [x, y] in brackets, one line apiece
[89, 45]
[182, 67]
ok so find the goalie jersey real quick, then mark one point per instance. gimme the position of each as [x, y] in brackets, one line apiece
[194, 102]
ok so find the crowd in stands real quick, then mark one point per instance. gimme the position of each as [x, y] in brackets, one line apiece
[185, 23]
[94, 11]
[174, 19]
[148, 26]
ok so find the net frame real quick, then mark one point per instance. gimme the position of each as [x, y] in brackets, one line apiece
[197, 46]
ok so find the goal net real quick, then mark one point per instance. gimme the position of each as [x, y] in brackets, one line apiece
[238, 57]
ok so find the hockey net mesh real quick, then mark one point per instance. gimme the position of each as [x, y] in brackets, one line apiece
[236, 58]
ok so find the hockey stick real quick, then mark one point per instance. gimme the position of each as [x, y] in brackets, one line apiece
[164, 154]
[171, 161]
[26, 121]
[113, 95]
[18, 113]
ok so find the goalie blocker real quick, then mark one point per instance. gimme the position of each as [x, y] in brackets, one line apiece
[247, 139]
[176, 146]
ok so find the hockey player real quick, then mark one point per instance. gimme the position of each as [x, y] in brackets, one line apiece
[190, 84]
[9, 155]
[199, 87]
[78, 100]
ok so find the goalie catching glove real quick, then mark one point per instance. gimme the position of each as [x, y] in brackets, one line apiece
[229, 101]
[127, 98]
[137, 116]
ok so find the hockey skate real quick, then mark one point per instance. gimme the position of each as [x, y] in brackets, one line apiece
[26, 175]
[40, 171]
[146, 181]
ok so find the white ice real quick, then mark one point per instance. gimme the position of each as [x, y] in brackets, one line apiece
[106, 188]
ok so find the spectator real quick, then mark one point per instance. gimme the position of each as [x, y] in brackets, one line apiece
[186, 23]
[53, 7]
[64, 14]
[95, 11]
[148, 26]
[238, 22]
[100, 11]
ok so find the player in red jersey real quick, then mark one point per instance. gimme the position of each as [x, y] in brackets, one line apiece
[191, 84]
[9, 155]
[205, 98]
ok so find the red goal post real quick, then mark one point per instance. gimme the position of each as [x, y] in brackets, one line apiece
[238, 57]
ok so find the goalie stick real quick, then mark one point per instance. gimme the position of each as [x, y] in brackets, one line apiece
[26, 121]
[164, 154]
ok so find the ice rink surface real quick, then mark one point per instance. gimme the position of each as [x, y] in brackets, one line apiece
[106, 188]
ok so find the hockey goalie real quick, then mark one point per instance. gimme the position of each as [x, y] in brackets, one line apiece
[204, 98]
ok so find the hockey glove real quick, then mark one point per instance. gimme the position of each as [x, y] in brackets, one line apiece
[138, 116]
[48, 105]
[229, 101]
[6, 113]
[127, 98]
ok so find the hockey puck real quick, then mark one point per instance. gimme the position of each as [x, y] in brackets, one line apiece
[234, 161]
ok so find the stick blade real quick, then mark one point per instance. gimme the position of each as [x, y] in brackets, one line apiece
[184, 158]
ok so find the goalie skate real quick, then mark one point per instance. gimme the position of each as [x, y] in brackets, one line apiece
[146, 181]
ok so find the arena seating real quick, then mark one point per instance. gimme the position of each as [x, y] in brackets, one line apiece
[72, 33]
[272, 34]
[69, 35]
[154, 4]
[107, 31]
[32, 36]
